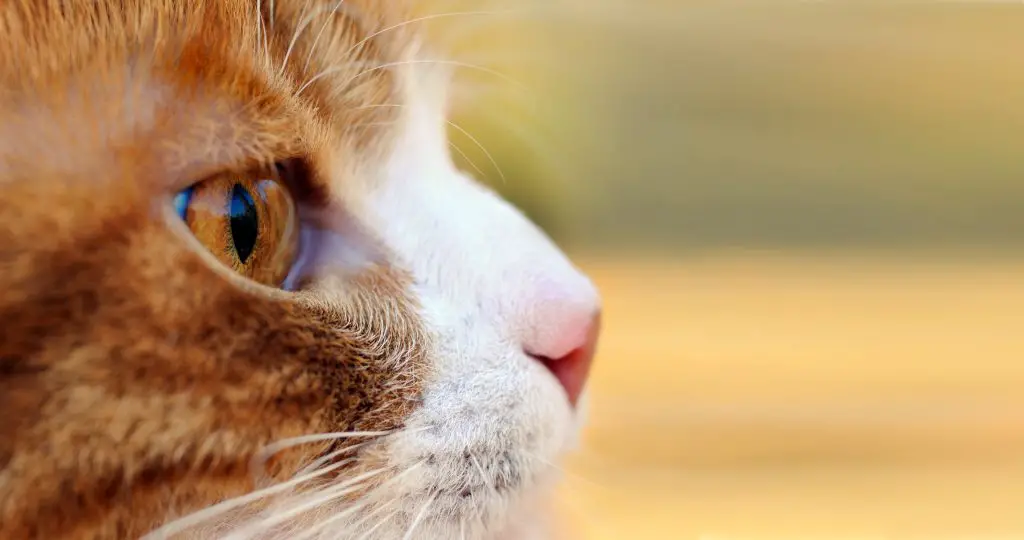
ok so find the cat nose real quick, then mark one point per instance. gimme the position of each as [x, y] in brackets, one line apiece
[572, 369]
[565, 340]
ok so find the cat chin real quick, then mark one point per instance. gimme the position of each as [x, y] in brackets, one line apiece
[531, 516]
[526, 523]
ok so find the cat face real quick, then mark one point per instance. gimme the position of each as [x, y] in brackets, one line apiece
[245, 292]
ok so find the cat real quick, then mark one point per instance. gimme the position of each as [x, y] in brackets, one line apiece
[245, 293]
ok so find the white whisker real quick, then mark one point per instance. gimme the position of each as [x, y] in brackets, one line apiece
[211, 512]
[317, 463]
[279, 517]
[483, 475]
[342, 515]
[285, 444]
[459, 151]
[378, 525]
[377, 106]
[299, 29]
[536, 144]
[316, 41]
[319, 527]
[387, 65]
[419, 517]
[416, 20]
[370, 124]
[490, 158]
[369, 515]
[262, 30]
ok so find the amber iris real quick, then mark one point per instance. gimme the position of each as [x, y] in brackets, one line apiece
[248, 220]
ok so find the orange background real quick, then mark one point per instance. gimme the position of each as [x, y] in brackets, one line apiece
[807, 221]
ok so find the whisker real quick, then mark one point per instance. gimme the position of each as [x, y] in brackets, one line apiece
[316, 41]
[369, 515]
[315, 464]
[259, 28]
[378, 525]
[211, 512]
[272, 449]
[262, 30]
[536, 144]
[420, 19]
[490, 158]
[342, 515]
[371, 124]
[419, 517]
[377, 106]
[483, 475]
[300, 28]
[319, 527]
[455, 147]
[315, 501]
[459, 151]
[387, 65]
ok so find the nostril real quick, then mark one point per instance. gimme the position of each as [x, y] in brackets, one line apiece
[572, 370]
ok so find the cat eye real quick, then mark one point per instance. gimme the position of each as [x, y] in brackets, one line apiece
[248, 220]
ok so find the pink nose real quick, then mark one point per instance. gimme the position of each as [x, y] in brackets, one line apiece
[573, 368]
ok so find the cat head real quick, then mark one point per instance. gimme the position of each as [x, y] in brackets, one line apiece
[244, 291]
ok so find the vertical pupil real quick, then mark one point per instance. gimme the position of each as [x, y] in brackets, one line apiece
[181, 202]
[244, 222]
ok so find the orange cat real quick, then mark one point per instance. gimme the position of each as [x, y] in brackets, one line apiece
[244, 292]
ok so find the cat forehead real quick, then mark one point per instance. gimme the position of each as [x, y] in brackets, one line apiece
[199, 85]
[50, 39]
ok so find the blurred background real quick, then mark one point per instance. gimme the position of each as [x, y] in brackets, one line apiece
[807, 221]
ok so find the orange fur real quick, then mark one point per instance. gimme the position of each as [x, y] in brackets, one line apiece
[137, 381]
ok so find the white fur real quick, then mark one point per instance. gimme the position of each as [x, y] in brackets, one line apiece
[493, 420]
[476, 459]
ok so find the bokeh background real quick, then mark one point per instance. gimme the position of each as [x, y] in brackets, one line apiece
[807, 221]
